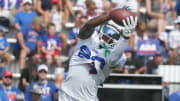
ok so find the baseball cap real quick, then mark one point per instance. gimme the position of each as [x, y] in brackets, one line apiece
[2, 29]
[27, 1]
[42, 67]
[8, 73]
[39, 20]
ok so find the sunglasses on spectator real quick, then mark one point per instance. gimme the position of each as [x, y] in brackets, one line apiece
[8, 77]
[42, 71]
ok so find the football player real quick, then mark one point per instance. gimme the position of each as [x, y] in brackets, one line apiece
[95, 56]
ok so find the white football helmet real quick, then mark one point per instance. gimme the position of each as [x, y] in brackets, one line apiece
[109, 33]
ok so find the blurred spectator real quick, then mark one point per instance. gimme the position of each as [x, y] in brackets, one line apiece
[91, 9]
[75, 31]
[174, 42]
[156, 16]
[28, 76]
[164, 47]
[56, 12]
[132, 65]
[68, 5]
[3, 96]
[8, 88]
[106, 6]
[28, 44]
[3, 67]
[129, 4]
[152, 65]
[141, 33]
[8, 8]
[169, 11]
[136, 65]
[59, 72]
[24, 18]
[48, 88]
[44, 7]
[142, 43]
[175, 96]
[51, 46]
[82, 6]
[58, 17]
[4, 47]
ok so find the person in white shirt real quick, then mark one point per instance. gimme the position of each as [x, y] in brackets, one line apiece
[174, 42]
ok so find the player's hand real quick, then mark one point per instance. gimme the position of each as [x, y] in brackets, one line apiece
[129, 26]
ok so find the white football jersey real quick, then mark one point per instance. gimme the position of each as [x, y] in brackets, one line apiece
[89, 67]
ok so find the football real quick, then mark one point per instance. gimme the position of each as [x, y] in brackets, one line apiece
[119, 14]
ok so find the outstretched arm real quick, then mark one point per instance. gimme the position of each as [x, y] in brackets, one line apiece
[116, 57]
[88, 29]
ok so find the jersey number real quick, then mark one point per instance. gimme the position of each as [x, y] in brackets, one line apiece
[85, 53]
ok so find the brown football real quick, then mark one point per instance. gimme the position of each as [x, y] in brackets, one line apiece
[118, 15]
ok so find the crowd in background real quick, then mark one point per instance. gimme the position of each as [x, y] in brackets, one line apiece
[43, 35]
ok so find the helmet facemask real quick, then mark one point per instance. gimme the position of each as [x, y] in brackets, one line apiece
[109, 34]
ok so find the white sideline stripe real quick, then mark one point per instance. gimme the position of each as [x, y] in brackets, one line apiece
[131, 86]
[134, 75]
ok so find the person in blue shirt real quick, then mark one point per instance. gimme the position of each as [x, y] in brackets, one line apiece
[46, 88]
[4, 46]
[8, 88]
[24, 18]
[51, 46]
[175, 96]
[28, 42]
[3, 96]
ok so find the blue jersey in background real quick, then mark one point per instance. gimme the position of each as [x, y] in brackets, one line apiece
[11, 93]
[49, 90]
[25, 19]
[30, 37]
[3, 96]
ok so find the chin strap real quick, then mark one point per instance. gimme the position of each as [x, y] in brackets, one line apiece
[106, 49]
